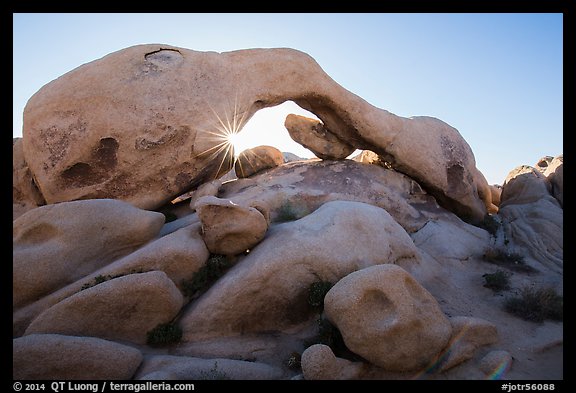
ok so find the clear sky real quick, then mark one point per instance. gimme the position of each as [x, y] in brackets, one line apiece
[497, 78]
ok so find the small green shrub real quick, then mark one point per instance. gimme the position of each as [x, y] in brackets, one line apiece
[213, 374]
[316, 293]
[498, 281]
[294, 361]
[164, 334]
[513, 261]
[536, 304]
[206, 275]
[286, 212]
[490, 224]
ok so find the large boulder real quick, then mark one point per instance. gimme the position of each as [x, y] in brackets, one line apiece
[268, 289]
[166, 367]
[533, 219]
[314, 136]
[58, 357]
[155, 117]
[228, 228]
[257, 159]
[55, 245]
[524, 184]
[124, 308]
[25, 193]
[179, 254]
[388, 318]
[298, 188]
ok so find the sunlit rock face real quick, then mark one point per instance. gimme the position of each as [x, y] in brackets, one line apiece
[533, 218]
[147, 123]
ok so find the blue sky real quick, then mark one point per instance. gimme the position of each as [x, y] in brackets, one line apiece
[497, 78]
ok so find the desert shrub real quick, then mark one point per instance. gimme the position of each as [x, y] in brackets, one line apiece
[536, 304]
[164, 334]
[214, 268]
[294, 361]
[513, 261]
[498, 281]
[213, 374]
[100, 278]
[490, 224]
[316, 293]
[286, 212]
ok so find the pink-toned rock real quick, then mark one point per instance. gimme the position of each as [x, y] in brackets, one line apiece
[257, 159]
[267, 290]
[154, 117]
[228, 228]
[55, 245]
[320, 363]
[468, 334]
[314, 136]
[179, 254]
[388, 318]
[123, 308]
[296, 189]
[58, 357]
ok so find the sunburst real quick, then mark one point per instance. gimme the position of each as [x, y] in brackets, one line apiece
[224, 134]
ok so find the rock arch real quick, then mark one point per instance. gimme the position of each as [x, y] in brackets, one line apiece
[165, 107]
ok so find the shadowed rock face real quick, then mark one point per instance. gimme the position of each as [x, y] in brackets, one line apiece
[40, 356]
[57, 244]
[25, 194]
[148, 118]
[124, 308]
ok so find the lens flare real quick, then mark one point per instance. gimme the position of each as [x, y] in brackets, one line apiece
[224, 134]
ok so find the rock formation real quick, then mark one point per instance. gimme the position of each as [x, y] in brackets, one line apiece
[386, 317]
[156, 117]
[122, 309]
[58, 357]
[314, 136]
[228, 228]
[555, 175]
[57, 244]
[320, 363]
[533, 218]
[132, 217]
[25, 193]
[166, 367]
[270, 284]
[257, 159]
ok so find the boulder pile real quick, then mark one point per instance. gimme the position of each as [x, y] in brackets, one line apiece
[143, 248]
